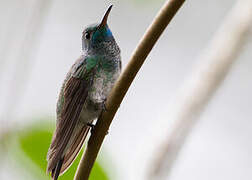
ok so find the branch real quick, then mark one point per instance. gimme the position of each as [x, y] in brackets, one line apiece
[217, 60]
[122, 85]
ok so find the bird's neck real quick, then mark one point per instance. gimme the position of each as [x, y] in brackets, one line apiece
[107, 49]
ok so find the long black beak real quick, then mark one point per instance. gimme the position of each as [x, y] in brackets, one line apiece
[105, 17]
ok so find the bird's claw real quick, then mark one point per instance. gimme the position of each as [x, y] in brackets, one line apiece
[104, 108]
[91, 126]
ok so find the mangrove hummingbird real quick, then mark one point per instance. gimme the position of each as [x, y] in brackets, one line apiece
[83, 94]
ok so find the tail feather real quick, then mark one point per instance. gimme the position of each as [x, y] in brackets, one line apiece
[56, 170]
[73, 151]
[69, 156]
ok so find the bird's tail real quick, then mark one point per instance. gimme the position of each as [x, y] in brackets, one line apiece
[64, 163]
[56, 170]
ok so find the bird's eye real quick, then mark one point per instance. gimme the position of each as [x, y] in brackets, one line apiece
[87, 35]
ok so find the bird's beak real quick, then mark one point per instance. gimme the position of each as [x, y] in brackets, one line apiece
[105, 18]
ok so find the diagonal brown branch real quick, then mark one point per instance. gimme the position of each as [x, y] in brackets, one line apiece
[115, 98]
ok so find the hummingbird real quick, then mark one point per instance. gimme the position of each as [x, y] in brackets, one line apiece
[83, 94]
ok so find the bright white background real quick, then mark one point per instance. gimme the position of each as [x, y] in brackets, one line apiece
[220, 145]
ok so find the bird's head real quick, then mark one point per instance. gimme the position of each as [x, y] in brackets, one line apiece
[96, 36]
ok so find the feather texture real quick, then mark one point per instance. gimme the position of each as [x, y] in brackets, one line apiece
[74, 148]
[75, 94]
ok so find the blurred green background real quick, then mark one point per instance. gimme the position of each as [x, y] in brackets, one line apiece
[28, 148]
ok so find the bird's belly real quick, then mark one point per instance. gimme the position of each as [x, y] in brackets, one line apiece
[90, 112]
[98, 91]
[102, 85]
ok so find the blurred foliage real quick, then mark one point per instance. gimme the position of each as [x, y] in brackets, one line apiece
[31, 148]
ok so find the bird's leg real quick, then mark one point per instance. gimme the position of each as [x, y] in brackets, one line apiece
[91, 126]
[104, 108]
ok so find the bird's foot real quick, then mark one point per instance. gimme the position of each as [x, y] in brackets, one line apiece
[91, 126]
[104, 108]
